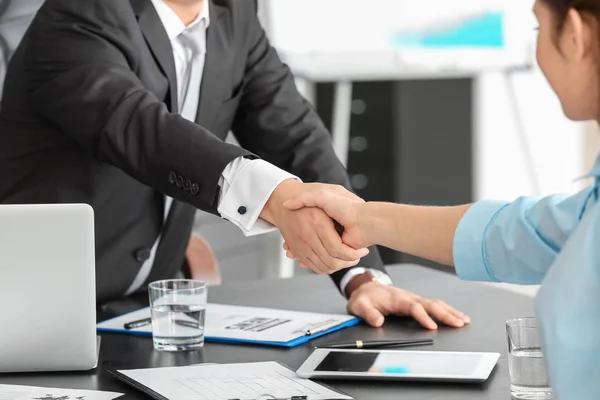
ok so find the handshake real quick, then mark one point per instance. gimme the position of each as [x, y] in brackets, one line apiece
[306, 213]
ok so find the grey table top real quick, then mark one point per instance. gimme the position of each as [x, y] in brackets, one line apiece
[488, 307]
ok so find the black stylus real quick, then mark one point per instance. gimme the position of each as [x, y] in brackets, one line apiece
[378, 344]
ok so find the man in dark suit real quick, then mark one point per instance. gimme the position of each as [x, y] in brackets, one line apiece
[124, 105]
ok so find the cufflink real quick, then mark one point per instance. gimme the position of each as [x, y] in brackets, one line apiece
[242, 210]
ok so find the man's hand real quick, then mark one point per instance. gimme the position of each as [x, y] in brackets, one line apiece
[374, 301]
[310, 233]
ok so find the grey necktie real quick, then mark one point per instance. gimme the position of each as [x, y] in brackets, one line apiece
[191, 80]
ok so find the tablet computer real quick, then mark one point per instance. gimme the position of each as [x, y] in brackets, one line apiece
[399, 365]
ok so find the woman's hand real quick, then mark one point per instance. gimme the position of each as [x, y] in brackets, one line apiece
[344, 210]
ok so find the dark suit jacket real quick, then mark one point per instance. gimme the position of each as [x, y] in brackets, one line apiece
[89, 116]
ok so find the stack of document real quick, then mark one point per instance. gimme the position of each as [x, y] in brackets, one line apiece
[252, 325]
[14, 392]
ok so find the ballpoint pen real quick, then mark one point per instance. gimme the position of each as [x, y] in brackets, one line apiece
[138, 323]
[379, 344]
[148, 321]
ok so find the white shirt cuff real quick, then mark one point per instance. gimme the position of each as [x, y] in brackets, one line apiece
[378, 276]
[246, 185]
[348, 277]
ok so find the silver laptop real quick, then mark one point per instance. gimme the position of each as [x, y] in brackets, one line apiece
[47, 288]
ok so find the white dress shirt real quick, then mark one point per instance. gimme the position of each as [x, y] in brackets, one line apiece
[247, 183]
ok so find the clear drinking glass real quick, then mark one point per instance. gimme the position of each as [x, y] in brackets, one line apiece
[526, 364]
[178, 314]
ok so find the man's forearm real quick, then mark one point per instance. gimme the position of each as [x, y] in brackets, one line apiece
[426, 232]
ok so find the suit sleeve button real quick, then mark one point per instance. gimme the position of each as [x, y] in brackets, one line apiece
[194, 189]
[187, 184]
[172, 177]
[142, 255]
[179, 182]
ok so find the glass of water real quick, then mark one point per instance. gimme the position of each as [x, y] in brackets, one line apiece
[178, 313]
[526, 364]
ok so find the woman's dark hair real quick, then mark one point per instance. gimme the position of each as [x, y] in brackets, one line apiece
[562, 7]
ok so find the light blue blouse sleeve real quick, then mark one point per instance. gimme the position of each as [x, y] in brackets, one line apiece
[568, 310]
[515, 242]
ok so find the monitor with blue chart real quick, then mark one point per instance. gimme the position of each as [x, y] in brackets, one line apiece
[384, 38]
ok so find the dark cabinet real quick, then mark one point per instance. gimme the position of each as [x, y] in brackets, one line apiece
[410, 142]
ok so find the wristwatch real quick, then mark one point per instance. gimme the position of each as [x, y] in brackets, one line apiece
[357, 277]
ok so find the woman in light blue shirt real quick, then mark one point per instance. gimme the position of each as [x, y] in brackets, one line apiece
[554, 241]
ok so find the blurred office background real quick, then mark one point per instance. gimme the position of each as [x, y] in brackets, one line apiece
[446, 102]
[431, 102]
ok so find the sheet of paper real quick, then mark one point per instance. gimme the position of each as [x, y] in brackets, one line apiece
[231, 381]
[15, 392]
[248, 323]
[265, 324]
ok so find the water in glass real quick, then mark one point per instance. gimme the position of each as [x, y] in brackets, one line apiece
[178, 327]
[527, 367]
[528, 376]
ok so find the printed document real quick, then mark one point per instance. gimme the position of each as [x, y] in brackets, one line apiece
[230, 381]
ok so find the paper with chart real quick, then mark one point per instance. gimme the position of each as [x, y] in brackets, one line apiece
[248, 323]
[230, 381]
[16, 392]
[266, 324]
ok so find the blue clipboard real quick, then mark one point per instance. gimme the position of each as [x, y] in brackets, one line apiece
[300, 340]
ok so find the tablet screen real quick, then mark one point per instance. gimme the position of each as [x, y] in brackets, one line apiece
[401, 363]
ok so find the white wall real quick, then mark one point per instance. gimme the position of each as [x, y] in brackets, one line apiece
[557, 144]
